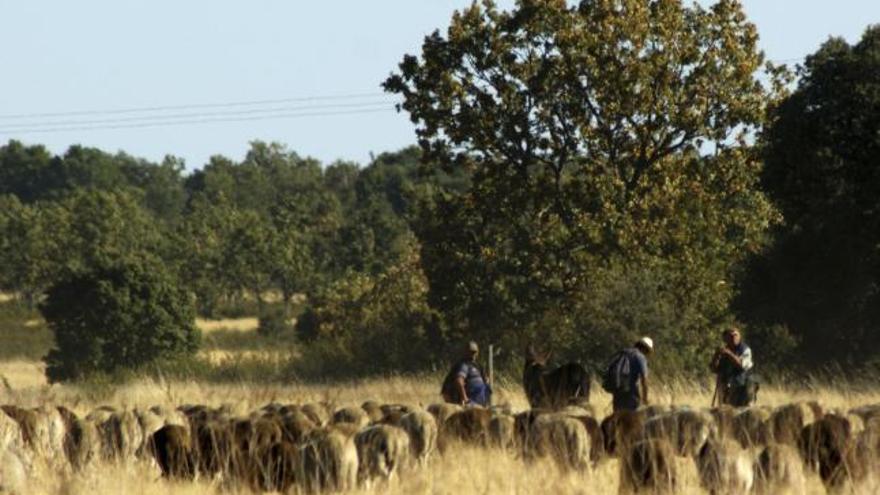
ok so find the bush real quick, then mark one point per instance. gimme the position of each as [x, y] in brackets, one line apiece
[117, 317]
[273, 322]
[369, 324]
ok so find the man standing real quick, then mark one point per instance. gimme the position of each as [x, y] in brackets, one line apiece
[465, 383]
[732, 364]
[626, 376]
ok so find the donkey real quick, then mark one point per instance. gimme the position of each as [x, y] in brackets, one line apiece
[567, 384]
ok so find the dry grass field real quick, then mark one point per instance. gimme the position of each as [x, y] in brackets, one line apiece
[462, 469]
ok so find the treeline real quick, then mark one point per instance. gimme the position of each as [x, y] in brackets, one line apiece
[551, 200]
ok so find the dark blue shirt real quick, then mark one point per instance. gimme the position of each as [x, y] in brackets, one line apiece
[629, 398]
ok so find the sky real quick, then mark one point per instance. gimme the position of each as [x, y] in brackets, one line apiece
[114, 74]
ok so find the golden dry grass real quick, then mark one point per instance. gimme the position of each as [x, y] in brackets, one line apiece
[247, 324]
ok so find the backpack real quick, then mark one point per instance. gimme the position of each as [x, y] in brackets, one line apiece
[449, 389]
[616, 377]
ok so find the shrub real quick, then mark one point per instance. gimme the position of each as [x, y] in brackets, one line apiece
[118, 316]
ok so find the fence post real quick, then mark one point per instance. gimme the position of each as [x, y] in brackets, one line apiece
[491, 365]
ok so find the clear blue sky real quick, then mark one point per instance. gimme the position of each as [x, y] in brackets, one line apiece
[90, 55]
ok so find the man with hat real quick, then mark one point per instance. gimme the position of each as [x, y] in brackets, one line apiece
[626, 376]
[732, 364]
[465, 383]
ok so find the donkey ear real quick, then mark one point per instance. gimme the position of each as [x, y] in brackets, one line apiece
[530, 350]
[547, 356]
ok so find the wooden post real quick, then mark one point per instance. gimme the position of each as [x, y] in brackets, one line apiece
[491, 365]
[491, 370]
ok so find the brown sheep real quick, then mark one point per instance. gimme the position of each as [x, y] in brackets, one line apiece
[828, 447]
[121, 435]
[213, 444]
[11, 435]
[470, 426]
[443, 411]
[725, 468]
[501, 432]
[648, 465]
[27, 423]
[318, 413]
[788, 420]
[779, 470]
[82, 444]
[561, 438]
[620, 430]
[382, 452]
[329, 462]
[352, 415]
[280, 464]
[373, 410]
[597, 439]
[686, 430]
[724, 420]
[295, 426]
[171, 446]
[422, 430]
[751, 427]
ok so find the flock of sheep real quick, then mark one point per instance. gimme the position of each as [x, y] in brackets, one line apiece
[317, 448]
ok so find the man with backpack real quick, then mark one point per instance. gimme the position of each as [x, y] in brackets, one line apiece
[732, 364]
[626, 376]
[465, 383]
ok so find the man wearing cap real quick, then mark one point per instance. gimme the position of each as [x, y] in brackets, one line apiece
[465, 383]
[629, 371]
[732, 363]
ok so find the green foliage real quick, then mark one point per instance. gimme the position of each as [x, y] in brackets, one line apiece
[581, 129]
[371, 324]
[115, 316]
[820, 279]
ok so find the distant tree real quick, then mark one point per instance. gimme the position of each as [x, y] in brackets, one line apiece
[32, 246]
[26, 171]
[820, 280]
[581, 128]
[117, 316]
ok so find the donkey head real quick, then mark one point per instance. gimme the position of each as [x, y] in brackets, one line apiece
[536, 358]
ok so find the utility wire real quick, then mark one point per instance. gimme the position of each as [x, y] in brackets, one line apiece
[193, 106]
[191, 115]
[194, 121]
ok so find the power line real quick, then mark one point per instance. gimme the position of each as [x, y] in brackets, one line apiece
[194, 121]
[191, 115]
[192, 106]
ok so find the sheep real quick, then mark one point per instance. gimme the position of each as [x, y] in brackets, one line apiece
[751, 427]
[725, 467]
[82, 444]
[382, 451]
[562, 438]
[353, 415]
[11, 435]
[787, 421]
[620, 430]
[828, 447]
[329, 462]
[685, 430]
[373, 410]
[318, 413]
[470, 425]
[443, 411]
[501, 431]
[171, 446]
[422, 430]
[779, 470]
[648, 465]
